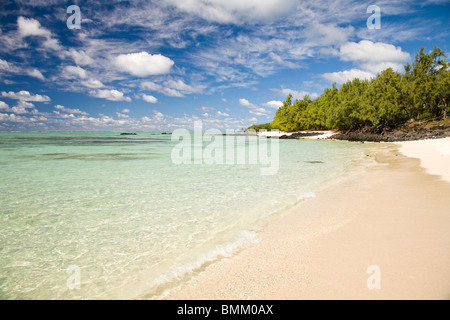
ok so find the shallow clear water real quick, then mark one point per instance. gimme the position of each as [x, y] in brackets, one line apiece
[121, 211]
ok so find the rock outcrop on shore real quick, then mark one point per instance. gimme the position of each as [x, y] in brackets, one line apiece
[394, 135]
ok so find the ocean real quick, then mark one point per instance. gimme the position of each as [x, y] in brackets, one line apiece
[105, 216]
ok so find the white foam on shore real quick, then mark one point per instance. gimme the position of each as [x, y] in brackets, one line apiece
[306, 195]
[227, 250]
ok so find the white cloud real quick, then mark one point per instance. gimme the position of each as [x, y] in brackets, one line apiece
[374, 57]
[370, 58]
[32, 72]
[254, 109]
[92, 83]
[296, 95]
[3, 106]
[22, 106]
[31, 27]
[68, 110]
[152, 86]
[125, 111]
[149, 99]
[13, 118]
[283, 62]
[328, 34]
[80, 57]
[235, 11]
[158, 116]
[367, 51]
[273, 104]
[36, 74]
[25, 96]
[72, 72]
[144, 64]
[4, 65]
[348, 75]
[171, 88]
[222, 114]
[52, 44]
[378, 67]
[111, 95]
[206, 109]
[122, 116]
[183, 87]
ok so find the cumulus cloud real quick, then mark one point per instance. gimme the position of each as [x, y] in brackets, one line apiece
[111, 95]
[92, 83]
[143, 64]
[4, 117]
[158, 116]
[68, 110]
[31, 27]
[25, 96]
[22, 106]
[72, 72]
[370, 58]
[149, 99]
[80, 57]
[273, 104]
[3, 106]
[254, 109]
[368, 51]
[348, 75]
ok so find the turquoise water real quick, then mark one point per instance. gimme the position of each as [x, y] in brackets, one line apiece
[132, 221]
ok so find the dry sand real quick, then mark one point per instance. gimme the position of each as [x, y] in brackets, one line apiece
[395, 216]
[434, 155]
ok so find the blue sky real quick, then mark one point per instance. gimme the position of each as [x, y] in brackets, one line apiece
[161, 65]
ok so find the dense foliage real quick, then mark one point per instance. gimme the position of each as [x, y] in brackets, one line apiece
[390, 99]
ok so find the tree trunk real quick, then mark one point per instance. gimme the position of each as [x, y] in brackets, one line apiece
[446, 109]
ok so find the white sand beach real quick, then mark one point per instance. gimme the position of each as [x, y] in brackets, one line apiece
[395, 217]
[434, 155]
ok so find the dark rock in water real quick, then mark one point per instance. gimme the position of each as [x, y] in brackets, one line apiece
[166, 133]
[128, 134]
[299, 135]
[314, 162]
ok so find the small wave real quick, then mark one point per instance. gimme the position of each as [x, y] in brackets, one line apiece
[220, 251]
[306, 195]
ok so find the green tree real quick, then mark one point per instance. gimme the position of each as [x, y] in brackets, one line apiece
[425, 72]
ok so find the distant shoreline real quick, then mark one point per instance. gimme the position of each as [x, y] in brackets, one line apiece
[400, 134]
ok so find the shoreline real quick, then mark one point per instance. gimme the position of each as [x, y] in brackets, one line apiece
[394, 216]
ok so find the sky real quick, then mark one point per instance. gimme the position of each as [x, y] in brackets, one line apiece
[144, 65]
